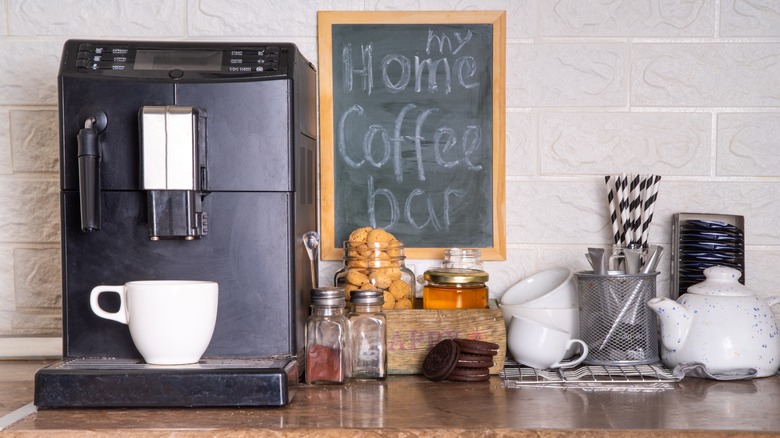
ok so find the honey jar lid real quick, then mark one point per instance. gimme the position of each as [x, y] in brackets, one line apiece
[455, 276]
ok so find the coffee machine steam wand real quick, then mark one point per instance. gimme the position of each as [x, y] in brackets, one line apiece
[94, 122]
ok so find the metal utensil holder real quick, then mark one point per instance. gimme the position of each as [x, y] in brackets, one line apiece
[615, 321]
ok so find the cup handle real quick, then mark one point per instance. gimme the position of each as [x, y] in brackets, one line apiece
[121, 314]
[573, 362]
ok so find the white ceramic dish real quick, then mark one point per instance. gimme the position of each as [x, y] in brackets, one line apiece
[549, 289]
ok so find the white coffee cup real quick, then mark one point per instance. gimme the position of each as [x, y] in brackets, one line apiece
[567, 320]
[552, 289]
[541, 345]
[171, 321]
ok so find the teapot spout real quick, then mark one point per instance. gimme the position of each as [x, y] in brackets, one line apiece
[675, 322]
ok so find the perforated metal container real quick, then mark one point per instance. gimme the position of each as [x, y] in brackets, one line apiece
[615, 321]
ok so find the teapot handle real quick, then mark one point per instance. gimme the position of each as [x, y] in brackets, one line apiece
[773, 300]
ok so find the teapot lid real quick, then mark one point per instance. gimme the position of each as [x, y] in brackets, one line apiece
[723, 281]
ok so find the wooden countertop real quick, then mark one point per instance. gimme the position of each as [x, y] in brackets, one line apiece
[411, 406]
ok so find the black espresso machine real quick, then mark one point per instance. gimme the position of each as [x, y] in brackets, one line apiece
[185, 161]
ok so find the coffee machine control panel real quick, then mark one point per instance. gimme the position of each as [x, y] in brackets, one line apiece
[177, 60]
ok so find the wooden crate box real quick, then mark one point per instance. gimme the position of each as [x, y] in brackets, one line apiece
[412, 333]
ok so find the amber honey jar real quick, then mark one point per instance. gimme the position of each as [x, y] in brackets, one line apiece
[455, 288]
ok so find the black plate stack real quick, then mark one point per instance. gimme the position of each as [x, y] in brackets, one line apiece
[702, 241]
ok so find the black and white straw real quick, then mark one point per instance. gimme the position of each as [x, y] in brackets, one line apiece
[631, 200]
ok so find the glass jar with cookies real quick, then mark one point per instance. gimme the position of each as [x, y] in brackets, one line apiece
[374, 259]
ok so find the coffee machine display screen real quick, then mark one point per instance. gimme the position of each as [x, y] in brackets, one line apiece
[185, 60]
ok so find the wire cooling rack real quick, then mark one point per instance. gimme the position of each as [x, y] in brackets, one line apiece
[591, 377]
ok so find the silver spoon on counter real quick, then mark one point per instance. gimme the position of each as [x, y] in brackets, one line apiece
[311, 240]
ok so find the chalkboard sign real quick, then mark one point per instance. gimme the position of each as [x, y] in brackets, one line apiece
[412, 129]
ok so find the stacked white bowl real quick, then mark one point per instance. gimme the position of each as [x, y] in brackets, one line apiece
[549, 296]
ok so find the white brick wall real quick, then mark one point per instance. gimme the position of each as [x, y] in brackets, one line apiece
[686, 89]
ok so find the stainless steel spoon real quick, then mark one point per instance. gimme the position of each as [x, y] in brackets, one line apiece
[311, 240]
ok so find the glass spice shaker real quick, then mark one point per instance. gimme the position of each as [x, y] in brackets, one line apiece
[367, 335]
[327, 351]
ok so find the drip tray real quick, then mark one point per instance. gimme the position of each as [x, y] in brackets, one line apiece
[114, 382]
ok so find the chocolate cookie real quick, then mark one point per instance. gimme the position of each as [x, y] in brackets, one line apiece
[469, 375]
[471, 346]
[475, 361]
[441, 360]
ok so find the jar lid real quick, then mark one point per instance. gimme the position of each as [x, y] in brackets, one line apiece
[367, 296]
[455, 276]
[328, 296]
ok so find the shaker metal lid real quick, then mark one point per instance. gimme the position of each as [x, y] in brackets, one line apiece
[455, 276]
[367, 296]
[328, 296]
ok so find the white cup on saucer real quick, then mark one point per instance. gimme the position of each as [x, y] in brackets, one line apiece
[541, 345]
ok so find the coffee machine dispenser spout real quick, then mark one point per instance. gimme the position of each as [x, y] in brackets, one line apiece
[173, 171]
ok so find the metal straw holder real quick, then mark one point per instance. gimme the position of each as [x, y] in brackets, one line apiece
[615, 321]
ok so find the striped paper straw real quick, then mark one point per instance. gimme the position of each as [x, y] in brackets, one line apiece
[612, 203]
[624, 213]
[640, 200]
[649, 206]
[634, 209]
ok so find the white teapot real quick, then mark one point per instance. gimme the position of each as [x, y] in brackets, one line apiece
[721, 324]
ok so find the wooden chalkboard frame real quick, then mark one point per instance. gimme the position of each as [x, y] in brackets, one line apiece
[325, 20]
